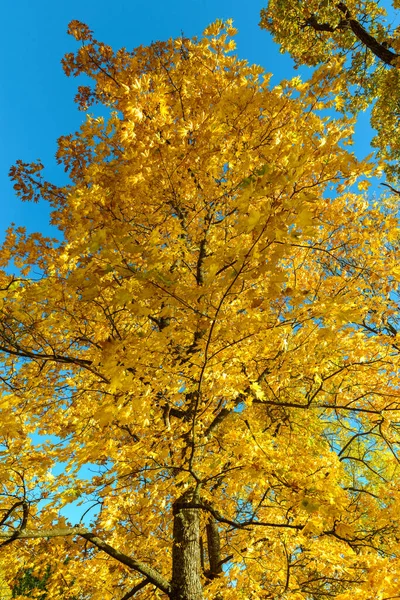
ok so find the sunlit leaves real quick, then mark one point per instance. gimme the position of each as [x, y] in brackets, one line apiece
[220, 317]
[361, 38]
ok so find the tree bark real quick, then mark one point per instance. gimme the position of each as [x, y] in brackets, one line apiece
[380, 50]
[214, 548]
[186, 581]
[386, 55]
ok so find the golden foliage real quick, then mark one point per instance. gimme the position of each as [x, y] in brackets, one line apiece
[219, 322]
[362, 37]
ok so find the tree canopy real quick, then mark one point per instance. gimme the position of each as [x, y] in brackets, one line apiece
[362, 37]
[210, 352]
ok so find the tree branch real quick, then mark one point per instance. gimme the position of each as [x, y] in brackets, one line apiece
[27, 534]
[392, 188]
[81, 362]
[236, 524]
[380, 50]
[25, 512]
[135, 589]
[153, 576]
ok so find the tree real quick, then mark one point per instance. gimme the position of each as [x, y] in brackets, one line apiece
[211, 351]
[30, 585]
[356, 41]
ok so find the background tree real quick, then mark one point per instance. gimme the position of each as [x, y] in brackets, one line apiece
[361, 37]
[211, 351]
[31, 585]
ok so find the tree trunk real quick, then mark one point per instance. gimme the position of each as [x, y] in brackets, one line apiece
[186, 556]
[214, 548]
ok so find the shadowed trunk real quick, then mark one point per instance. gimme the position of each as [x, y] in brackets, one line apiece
[214, 548]
[186, 555]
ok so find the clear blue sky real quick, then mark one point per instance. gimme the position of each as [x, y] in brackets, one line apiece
[36, 98]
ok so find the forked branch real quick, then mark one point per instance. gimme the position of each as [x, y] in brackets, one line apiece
[348, 22]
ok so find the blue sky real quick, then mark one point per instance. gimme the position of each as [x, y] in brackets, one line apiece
[36, 98]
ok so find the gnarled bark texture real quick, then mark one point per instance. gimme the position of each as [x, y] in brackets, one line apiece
[186, 556]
